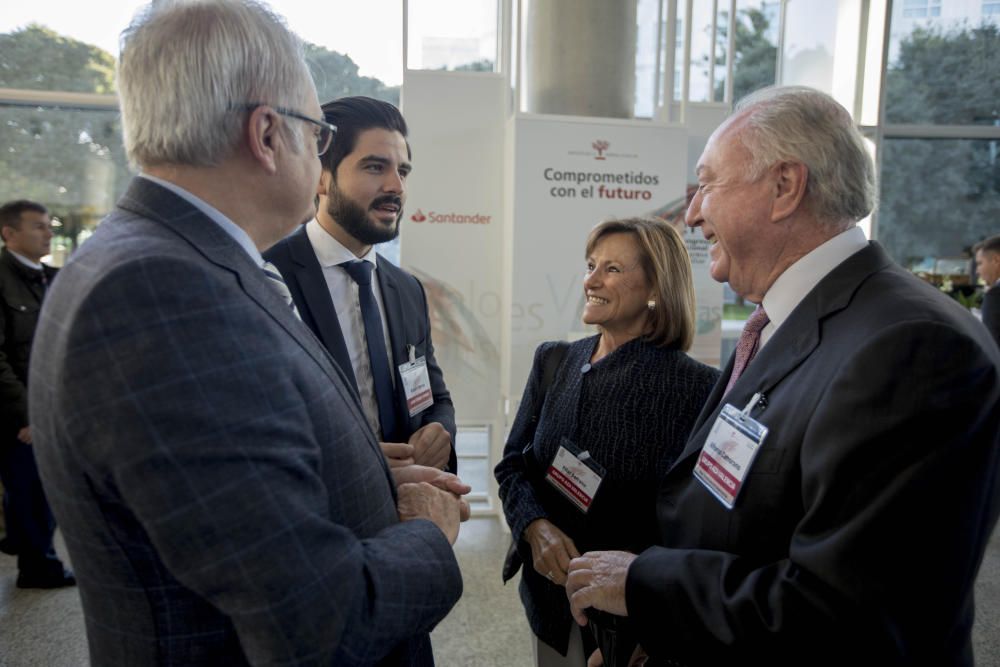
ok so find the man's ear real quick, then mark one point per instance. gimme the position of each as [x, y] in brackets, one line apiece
[790, 186]
[324, 183]
[262, 134]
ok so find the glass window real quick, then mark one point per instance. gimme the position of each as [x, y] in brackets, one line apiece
[65, 150]
[721, 53]
[921, 8]
[459, 35]
[944, 75]
[756, 46]
[810, 38]
[938, 198]
[680, 73]
[990, 8]
[359, 56]
[60, 45]
[702, 40]
[646, 74]
[72, 161]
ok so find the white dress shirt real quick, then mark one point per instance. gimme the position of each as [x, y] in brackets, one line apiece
[344, 293]
[801, 277]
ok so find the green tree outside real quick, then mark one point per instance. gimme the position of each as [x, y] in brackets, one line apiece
[755, 56]
[941, 196]
[72, 159]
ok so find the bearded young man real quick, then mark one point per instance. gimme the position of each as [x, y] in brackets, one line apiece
[371, 315]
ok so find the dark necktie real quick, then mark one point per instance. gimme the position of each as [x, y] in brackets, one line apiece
[748, 344]
[361, 272]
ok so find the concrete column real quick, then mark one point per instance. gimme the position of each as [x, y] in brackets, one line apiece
[580, 57]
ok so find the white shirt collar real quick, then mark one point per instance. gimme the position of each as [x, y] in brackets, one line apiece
[330, 251]
[238, 233]
[24, 260]
[801, 277]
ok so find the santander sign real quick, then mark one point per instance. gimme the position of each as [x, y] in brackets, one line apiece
[436, 217]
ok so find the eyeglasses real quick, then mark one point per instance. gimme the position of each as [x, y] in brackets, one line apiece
[326, 132]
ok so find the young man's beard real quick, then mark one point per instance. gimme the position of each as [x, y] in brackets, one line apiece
[355, 221]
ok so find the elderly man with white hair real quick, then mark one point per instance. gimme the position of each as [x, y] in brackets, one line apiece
[834, 501]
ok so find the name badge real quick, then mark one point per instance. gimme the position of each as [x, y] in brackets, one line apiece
[729, 452]
[575, 475]
[416, 383]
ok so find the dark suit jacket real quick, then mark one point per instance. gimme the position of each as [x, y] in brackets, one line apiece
[862, 523]
[991, 311]
[408, 323]
[222, 498]
[21, 293]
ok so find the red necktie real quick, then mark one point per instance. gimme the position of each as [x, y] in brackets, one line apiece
[748, 344]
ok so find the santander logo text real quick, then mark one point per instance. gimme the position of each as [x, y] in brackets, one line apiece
[435, 217]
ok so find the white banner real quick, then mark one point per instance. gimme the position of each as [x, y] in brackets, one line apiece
[452, 229]
[569, 175]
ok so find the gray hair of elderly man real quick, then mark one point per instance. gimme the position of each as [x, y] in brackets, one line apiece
[800, 124]
[188, 69]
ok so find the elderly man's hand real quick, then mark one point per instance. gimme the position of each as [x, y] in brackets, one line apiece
[597, 579]
[424, 501]
[446, 481]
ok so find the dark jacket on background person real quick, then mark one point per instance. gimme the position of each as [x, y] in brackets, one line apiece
[21, 291]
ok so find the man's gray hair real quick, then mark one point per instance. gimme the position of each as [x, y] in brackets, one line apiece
[799, 124]
[188, 69]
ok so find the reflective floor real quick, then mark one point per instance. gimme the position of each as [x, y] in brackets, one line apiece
[486, 629]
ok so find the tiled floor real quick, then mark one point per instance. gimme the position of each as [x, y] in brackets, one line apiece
[485, 629]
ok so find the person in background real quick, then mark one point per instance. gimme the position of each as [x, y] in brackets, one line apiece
[835, 501]
[27, 232]
[222, 497]
[371, 315]
[619, 409]
[988, 268]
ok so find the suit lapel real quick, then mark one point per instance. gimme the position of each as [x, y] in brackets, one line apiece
[312, 284]
[791, 344]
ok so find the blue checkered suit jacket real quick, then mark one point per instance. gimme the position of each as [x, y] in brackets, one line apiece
[222, 498]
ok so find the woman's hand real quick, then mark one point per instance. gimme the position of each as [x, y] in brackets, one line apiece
[551, 550]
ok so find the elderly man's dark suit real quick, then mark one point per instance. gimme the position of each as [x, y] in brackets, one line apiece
[222, 497]
[30, 525]
[859, 531]
[406, 314]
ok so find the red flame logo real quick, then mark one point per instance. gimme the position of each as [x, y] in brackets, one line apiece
[418, 216]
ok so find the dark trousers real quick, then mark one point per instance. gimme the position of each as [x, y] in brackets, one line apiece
[30, 524]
